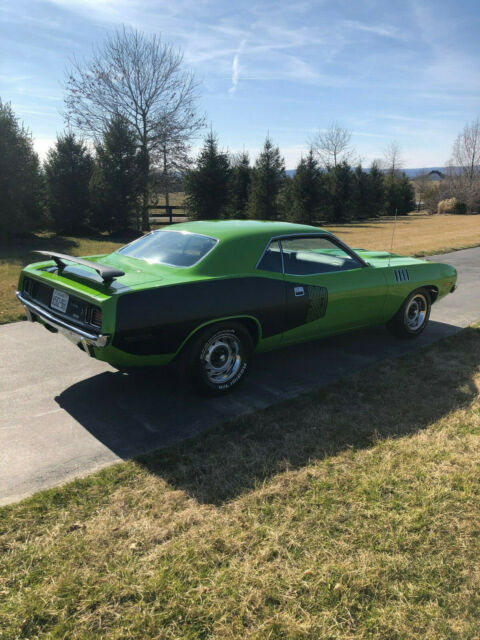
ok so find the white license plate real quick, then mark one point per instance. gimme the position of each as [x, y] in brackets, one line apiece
[59, 301]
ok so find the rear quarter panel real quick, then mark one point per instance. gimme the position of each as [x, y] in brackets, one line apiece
[159, 320]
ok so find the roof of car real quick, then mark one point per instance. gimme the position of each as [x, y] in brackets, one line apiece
[226, 229]
[240, 242]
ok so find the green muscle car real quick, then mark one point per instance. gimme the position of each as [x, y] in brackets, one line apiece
[207, 295]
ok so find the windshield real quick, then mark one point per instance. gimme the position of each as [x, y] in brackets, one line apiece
[174, 248]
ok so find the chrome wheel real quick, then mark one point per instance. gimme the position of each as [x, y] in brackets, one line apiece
[221, 358]
[416, 312]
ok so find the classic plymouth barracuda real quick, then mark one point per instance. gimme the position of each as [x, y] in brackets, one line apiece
[210, 294]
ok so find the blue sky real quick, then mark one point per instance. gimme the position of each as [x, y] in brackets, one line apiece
[406, 71]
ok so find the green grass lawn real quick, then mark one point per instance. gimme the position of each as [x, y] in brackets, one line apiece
[352, 512]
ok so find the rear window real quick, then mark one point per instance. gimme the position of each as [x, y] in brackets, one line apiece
[174, 248]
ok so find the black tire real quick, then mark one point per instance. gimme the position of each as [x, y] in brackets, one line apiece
[412, 317]
[219, 358]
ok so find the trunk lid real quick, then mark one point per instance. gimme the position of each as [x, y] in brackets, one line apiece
[137, 274]
[384, 258]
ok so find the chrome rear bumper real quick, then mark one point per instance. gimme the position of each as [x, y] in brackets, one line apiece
[78, 335]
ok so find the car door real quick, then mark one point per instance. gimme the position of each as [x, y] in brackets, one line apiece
[329, 289]
[274, 306]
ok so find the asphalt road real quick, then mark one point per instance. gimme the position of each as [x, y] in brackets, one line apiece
[64, 415]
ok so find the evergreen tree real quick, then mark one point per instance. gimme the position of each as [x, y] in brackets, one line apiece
[399, 195]
[406, 195]
[267, 180]
[368, 193]
[207, 187]
[115, 184]
[340, 192]
[68, 171]
[285, 199]
[306, 187]
[21, 182]
[376, 190]
[240, 187]
[391, 194]
[360, 194]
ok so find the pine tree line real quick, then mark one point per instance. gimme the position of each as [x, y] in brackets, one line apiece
[224, 187]
[101, 189]
[76, 189]
[21, 180]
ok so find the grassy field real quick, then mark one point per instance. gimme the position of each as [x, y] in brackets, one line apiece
[176, 199]
[416, 234]
[337, 515]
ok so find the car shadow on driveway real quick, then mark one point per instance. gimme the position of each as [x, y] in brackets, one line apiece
[133, 414]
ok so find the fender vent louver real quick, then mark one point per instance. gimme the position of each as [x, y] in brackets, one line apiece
[401, 275]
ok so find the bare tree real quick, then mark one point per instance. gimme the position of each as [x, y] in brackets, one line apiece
[464, 170]
[142, 79]
[466, 150]
[432, 195]
[172, 153]
[393, 158]
[333, 145]
[421, 184]
[379, 163]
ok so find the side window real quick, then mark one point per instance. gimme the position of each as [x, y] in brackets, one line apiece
[271, 259]
[311, 255]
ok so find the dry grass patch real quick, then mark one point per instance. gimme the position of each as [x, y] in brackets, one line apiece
[417, 234]
[175, 199]
[350, 512]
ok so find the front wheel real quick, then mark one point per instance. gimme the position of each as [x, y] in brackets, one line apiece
[412, 317]
[220, 357]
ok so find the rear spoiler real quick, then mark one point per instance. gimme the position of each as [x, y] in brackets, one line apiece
[106, 273]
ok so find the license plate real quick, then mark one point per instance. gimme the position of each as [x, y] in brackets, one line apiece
[59, 301]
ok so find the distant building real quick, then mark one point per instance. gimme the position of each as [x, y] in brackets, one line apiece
[435, 175]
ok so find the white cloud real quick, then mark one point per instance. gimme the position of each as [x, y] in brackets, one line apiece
[46, 112]
[233, 88]
[378, 30]
[445, 67]
[100, 9]
[236, 68]
[14, 78]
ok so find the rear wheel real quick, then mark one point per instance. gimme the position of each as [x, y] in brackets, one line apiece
[219, 358]
[412, 317]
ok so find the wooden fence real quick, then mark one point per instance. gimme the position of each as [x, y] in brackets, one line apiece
[170, 212]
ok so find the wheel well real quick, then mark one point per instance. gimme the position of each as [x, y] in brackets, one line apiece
[433, 291]
[252, 327]
[249, 323]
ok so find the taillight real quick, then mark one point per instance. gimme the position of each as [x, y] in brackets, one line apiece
[96, 316]
[28, 286]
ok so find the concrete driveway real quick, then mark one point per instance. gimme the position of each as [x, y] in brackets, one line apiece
[64, 415]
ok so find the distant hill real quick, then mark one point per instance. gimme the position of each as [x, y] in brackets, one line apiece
[411, 173]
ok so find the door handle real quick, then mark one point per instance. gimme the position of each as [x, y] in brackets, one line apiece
[299, 291]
